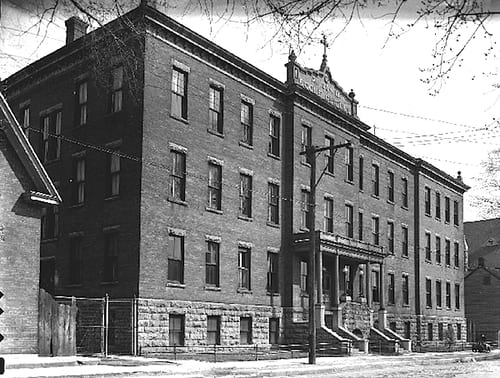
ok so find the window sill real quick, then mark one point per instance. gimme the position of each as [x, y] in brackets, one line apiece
[111, 198]
[350, 182]
[428, 215]
[274, 225]
[428, 261]
[76, 206]
[305, 164]
[406, 305]
[176, 284]
[212, 288]
[331, 174]
[245, 218]
[273, 156]
[112, 113]
[183, 120]
[375, 196]
[390, 202]
[216, 133]
[109, 283]
[52, 161]
[405, 256]
[49, 240]
[272, 294]
[212, 210]
[177, 201]
[438, 219]
[404, 207]
[242, 290]
[304, 229]
[246, 145]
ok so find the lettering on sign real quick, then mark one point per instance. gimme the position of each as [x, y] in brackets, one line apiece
[2, 233]
[320, 84]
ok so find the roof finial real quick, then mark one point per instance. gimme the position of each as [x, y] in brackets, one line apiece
[324, 64]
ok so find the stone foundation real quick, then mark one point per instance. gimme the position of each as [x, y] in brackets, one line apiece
[153, 324]
[357, 316]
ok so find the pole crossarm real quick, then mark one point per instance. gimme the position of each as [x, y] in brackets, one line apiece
[321, 149]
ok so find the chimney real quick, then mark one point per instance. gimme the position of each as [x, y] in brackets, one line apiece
[75, 28]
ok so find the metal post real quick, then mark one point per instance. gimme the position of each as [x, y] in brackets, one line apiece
[311, 158]
[106, 324]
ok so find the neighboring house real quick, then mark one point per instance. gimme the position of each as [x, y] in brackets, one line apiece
[25, 190]
[482, 283]
[186, 190]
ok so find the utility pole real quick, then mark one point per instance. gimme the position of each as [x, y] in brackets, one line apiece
[315, 264]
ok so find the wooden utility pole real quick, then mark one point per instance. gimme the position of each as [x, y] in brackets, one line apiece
[314, 266]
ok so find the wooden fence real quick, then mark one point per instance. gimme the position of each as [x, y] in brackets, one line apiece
[56, 327]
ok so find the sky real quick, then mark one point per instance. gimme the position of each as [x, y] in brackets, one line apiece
[448, 129]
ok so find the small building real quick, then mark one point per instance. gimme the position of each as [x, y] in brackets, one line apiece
[25, 190]
[482, 282]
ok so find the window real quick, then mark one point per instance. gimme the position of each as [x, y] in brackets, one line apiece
[273, 203]
[75, 260]
[213, 330]
[349, 227]
[212, 264]
[214, 186]
[459, 331]
[305, 219]
[406, 290]
[244, 267]
[111, 248]
[50, 222]
[360, 173]
[455, 213]
[360, 226]
[113, 177]
[175, 257]
[330, 155]
[117, 90]
[439, 301]
[407, 329]
[447, 252]
[430, 331]
[428, 292]
[448, 295]
[438, 205]
[375, 180]
[404, 241]
[349, 162]
[246, 195]
[274, 135]
[391, 289]
[179, 93]
[215, 113]
[375, 231]
[78, 182]
[303, 277]
[393, 326]
[440, 331]
[404, 192]
[178, 176]
[176, 330]
[427, 246]
[427, 200]
[438, 250]
[81, 104]
[272, 272]
[390, 186]
[328, 227]
[246, 118]
[274, 327]
[480, 261]
[25, 119]
[456, 254]
[306, 141]
[447, 209]
[375, 285]
[457, 296]
[245, 331]
[390, 237]
[51, 131]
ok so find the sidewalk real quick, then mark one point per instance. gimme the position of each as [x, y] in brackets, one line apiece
[91, 367]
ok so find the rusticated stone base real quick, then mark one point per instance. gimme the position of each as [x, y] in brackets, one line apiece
[153, 323]
[356, 316]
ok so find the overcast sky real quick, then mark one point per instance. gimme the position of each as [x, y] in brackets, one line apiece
[387, 80]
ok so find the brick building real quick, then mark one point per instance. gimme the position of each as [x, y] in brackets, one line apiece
[483, 278]
[184, 186]
[25, 189]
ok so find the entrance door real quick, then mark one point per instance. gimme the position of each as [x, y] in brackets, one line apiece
[48, 274]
